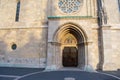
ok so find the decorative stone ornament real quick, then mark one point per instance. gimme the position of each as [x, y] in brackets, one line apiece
[69, 6]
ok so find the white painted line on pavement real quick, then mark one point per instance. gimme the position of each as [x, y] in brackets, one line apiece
[28, 75]
[12, 76]
[109, 75]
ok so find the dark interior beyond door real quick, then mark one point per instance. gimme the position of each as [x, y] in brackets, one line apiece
[70, 57]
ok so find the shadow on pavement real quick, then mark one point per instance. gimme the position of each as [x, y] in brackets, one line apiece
[61, 75]
[115, 73]
[17, 71]
[6, 78]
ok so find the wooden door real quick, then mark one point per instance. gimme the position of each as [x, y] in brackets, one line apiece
[70, 57]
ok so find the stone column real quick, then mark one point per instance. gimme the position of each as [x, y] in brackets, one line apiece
[88, 57]
[58, 56]
[81, 55]
[107, 40]
[53, 56]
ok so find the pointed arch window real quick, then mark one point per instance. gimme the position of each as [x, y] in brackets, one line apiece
[17, 11]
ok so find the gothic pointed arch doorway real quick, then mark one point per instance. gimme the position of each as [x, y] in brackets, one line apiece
[73, 49]
[69, 51]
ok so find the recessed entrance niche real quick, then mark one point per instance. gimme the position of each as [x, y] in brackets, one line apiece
[67, 47]
[72, 39]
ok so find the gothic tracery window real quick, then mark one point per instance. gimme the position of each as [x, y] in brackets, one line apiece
[69, 6]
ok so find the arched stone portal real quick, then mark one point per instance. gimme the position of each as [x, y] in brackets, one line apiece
[69, 47]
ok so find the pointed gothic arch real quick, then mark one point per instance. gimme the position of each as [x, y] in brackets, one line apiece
[80, 36]
[78, 31]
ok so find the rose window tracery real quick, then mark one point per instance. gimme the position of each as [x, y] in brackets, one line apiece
[69, 6]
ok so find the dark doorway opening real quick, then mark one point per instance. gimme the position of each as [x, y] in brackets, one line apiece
[70, 57]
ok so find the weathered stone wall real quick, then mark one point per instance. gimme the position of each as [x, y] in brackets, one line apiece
[33, 13]
[112, 10]
[31, 47]
[7, 11]
[30, 32]
[111, 47]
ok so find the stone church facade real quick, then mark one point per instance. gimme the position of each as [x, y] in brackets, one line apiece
[55, 34]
